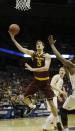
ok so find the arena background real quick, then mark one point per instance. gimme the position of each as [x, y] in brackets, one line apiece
[44, 18]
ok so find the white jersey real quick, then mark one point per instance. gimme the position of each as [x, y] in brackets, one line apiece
[70, 101]
[57, 82]
[72, 80]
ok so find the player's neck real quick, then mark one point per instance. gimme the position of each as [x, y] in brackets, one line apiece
[40, 52]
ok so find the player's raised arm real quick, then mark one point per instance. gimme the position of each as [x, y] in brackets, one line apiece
[64, 61]
[12, 35]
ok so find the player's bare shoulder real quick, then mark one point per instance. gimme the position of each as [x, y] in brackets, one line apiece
[47, 55]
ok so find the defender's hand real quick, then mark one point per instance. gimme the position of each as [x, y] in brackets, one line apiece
[51, 40]
[64, 93]
[60, 99]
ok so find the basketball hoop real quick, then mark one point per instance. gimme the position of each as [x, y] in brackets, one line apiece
[23, 5]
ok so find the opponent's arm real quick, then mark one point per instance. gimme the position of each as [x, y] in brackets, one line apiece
[24, 50]
[64, 61]
[59, 90]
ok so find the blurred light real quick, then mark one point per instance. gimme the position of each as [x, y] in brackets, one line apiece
[26, 56]
[64, 55]
[11, 52]
[67, 56]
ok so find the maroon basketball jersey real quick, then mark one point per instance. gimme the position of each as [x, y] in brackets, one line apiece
[39, 61]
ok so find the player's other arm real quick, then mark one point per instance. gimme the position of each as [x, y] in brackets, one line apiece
[64, 61]
[24, 50]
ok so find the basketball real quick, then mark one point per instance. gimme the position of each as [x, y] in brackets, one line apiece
[14, 29]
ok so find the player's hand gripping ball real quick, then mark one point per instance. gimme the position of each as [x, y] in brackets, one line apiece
[14, 29]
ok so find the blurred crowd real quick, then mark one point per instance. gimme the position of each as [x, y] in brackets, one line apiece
[13, 83]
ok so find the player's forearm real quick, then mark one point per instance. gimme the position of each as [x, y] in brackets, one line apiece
[24, 50]
[58, 55]
[40, 69]
[65, 62]
[57, 89]
[17, 44]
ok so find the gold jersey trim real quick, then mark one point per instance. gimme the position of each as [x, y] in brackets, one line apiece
[41, 79]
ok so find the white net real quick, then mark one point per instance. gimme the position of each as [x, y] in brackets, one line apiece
[23, 5]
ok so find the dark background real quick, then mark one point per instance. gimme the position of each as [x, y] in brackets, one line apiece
[45, 17]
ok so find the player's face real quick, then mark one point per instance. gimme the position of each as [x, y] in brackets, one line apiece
[39, 45]
[62, 71]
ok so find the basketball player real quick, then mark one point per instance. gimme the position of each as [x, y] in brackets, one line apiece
[41, 62]
[70, 67]
[57, 81]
